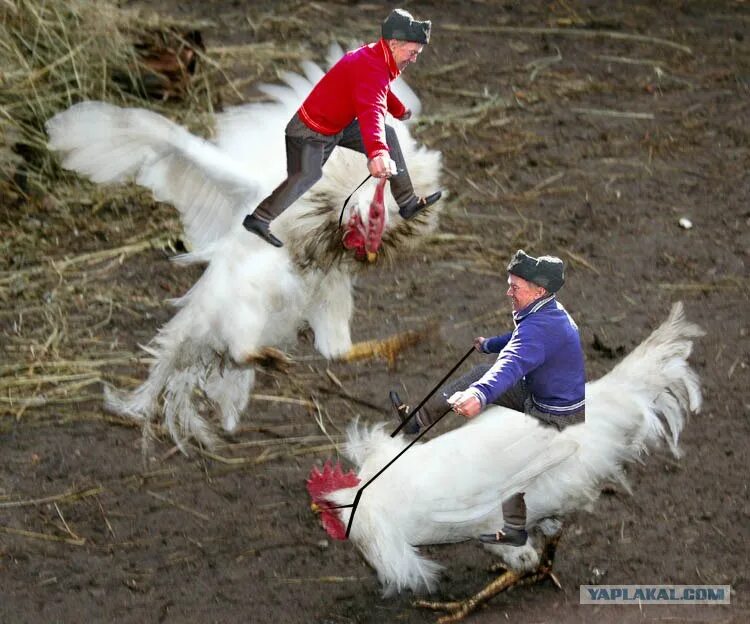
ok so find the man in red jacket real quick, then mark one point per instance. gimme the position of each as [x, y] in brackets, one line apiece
[347, 107]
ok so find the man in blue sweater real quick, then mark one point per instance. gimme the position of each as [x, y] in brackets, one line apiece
[539, 370]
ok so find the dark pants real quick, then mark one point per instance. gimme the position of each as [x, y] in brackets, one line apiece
[517, 398]
[306, 153]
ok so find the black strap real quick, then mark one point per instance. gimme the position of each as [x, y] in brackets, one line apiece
[346, 201]
[358, 495]
[433, 391]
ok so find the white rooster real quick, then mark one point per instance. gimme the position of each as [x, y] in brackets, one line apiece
[451, 488]
[251, 296]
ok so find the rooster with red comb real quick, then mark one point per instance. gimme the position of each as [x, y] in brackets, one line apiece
[452, 488]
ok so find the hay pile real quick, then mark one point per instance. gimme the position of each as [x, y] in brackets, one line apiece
[83, 271]
[54, 53]
[63, 239]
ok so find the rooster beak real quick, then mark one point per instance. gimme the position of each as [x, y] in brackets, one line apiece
[372, 256]
[316, 509]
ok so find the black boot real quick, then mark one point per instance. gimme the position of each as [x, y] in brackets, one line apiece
[402, 411]
[507, 536]
[261, 227]
[418, 204]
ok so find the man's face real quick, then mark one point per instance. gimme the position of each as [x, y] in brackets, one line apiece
[405, 52]
[522, 292]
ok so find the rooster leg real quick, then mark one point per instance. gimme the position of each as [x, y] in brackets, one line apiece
[387, 349]
[458, 610]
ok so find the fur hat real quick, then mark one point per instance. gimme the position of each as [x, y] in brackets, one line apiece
[402, 26]
[545, 271]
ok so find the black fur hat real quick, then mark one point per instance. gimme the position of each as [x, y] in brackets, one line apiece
[402, 26]
[545, 271]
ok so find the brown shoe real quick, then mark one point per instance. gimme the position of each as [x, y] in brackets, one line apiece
[402, 411]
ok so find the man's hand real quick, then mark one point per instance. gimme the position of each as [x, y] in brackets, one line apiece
[406, 115]
[465, 404]
[478, 342]
[381, 165]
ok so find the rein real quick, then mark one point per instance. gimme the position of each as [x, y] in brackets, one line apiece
[346, 201]
[358, 495]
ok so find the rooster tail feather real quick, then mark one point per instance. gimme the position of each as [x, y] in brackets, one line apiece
[641, 403]
[229, 388]
[648, 396]
[135, 405]
[141, 404]
[181, 415]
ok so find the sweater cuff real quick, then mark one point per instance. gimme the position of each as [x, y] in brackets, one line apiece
[380, 152]
[479, 395]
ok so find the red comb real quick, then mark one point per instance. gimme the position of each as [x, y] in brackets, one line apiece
[319, 484]
[331, 478]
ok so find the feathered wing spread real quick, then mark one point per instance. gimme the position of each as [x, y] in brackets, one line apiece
[452, 487]
[110, 144]
[251, 295]
[214, 184]
[211, 184]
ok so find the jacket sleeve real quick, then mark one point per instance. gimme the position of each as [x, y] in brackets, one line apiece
[523, 353]
[370, 102]
[395, 106]
[496, 343]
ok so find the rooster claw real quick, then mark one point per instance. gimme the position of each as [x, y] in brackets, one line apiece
[271, 358]
[455, 610]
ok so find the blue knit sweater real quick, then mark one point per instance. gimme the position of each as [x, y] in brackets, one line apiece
[545, 348]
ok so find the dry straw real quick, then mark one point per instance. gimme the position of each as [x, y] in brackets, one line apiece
[54, 53]
[56, 288]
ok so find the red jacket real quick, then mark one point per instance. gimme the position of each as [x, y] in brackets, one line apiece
[359, 85]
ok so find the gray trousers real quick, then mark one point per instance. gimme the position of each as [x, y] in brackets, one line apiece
[306, 153]
[517, 398]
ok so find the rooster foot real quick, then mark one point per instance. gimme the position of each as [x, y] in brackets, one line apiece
[458, 610]
[271, 358]
[387, 349]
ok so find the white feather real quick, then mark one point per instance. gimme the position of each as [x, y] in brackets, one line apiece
[111, 144]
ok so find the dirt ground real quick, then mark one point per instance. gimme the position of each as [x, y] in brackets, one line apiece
[556, 139]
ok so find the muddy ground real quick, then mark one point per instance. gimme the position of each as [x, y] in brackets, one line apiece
[557, 140]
